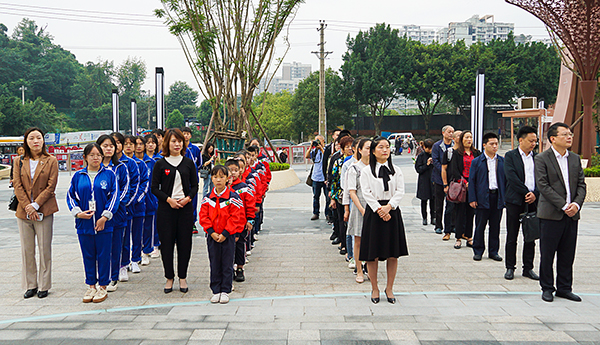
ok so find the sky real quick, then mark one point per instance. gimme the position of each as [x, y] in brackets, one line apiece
[115, 30]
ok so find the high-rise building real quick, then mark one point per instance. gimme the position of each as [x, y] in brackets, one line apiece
[415, 33]
[475, 29]
[291, 75]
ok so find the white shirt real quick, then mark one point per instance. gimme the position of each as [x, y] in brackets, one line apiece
[563, 163]
[491, 164]
[32, 166]
[373, 190]
[529, 169]
[344, 180]
[177, 185]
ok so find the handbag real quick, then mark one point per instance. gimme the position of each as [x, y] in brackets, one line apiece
[457, 191]
[13, 203]
[204, 174]
[531, 225]
[309, 180]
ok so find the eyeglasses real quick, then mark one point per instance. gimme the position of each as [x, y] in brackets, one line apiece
[566, 135]
[95, 156]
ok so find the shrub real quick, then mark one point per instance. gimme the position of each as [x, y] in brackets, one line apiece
[595, 161]
[592, 171]
[278, 166]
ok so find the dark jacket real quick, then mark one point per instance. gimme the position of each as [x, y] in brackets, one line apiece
[455, 166]
[479, 183]
[326, 154]
[163, 179]
[424, 185]
[549, 180]
[514, 171]
[439, 148]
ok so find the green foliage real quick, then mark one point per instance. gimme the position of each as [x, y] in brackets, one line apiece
[175, 119]
[305, 104]
[595, 160]
[278, 166]
[16, 118]
[592, 171]
[182, 97]
[276, 117]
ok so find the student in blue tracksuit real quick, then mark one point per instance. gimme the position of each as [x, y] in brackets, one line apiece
[94, 189]
[119, 220]
[193, 152]
[150, 238]
[136, 226]
[148, 220]
[134, 180]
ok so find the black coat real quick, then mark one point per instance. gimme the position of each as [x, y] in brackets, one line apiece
[514, 170]
[455, 166]
[424, 185]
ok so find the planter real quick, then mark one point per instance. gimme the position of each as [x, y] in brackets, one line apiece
[593, 189]
[283, 179]
[5, 173]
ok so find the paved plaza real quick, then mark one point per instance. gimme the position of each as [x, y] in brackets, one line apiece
[298, 290]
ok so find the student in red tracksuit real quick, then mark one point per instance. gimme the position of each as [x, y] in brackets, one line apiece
[221, 216]
[247, 197]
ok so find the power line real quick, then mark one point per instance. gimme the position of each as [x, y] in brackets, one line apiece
[81, 15]
[78, 11]
[83, 20]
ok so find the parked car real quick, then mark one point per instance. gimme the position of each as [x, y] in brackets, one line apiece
[392, 138]
[282, 142]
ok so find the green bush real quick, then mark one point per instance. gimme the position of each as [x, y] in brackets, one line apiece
[593, 171]
[278, 166]
[595, 161]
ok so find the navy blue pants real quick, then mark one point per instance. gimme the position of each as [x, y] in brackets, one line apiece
[95, 250]
[221, 257]
[150, 235]
[240, 249]
[491, 217]
[115, 255]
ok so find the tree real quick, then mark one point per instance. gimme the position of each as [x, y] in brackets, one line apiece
[16, 118]
[276, 114]
[175, 119]
[130, 76]
[305, 103]
[375, 68]
[181, 96]
[92, 96]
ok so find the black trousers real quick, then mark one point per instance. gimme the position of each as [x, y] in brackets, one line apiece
[464, 219]
[339, 208]
[424, 208]
[240, 249]
[491, 217]
[557, 237]
[512, 233]
[175, 227]
[439, 197]
[450, 218]
[220, 256]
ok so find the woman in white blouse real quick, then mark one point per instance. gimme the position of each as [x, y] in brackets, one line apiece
[383, 237]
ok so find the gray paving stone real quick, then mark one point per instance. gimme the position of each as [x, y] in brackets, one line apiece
[354, 335]
[255, 335]
[537, 336]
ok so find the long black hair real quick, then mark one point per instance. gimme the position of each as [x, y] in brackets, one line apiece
[360, 145]
[373, 159]
[88, 149]
[26, 147]
[151, 137]
[101, 139]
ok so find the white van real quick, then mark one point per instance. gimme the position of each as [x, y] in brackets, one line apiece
[392, 138]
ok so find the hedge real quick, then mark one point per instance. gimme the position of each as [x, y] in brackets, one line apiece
[592, 171]
[278, 166]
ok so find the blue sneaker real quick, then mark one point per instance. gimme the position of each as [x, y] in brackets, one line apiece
[438, 231]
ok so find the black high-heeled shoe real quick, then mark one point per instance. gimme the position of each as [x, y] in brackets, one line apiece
[390, 300]
[375, 300]
[183, 289]
[169, 290]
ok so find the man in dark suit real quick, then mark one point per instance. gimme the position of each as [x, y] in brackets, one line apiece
[486, 195]
[561, 183]
[329, 149]
[521, 196]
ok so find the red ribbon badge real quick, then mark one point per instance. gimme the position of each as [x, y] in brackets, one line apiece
[167, 172]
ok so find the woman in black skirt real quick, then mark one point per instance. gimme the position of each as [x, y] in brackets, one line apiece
[383, 236]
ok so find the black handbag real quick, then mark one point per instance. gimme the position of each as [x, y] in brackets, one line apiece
[309, 180]
[531, 225]
[204, 174]
[13, 203]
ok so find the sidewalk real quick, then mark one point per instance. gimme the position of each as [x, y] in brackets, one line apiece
[300, 291]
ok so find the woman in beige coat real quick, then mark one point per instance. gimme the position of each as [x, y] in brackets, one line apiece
[35, 178]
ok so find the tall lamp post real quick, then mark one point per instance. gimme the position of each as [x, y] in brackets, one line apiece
[576, 24]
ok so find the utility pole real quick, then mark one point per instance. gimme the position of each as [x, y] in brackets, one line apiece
[23, 89]
[322, 54]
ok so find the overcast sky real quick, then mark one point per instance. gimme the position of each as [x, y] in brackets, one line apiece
[113, 30]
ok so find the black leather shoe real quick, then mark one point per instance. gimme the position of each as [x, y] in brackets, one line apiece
[336, 241]
[477, 257]
[314, 217]
[30, 293]
[568, 295]
[375, 300]
[424, 221]
[42, 294]
[547, 296]
[510, 274]
[343, 251]
[391, 300]
[531, 275]
[496, 257]
[332, 237]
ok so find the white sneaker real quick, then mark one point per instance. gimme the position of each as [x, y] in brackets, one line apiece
[248, 253]
[145, 259]
[247, 261]
[224, 298]
[123, 276]
[100, 295]
[215, 298]
[112, 287]
[89, 295]
[155, 253]
[135, 268]
[352, 264]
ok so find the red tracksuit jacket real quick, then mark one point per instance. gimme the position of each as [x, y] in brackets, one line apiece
[245, 193]
[222, 214]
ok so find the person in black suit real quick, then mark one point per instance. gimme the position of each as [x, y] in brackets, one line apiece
[329, 149]
[561, 182]
[521, 196]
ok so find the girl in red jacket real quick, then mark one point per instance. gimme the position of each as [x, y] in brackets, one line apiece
[221, 216]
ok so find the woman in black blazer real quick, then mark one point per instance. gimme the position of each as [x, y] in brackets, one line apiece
[458, 168]
[175, 183]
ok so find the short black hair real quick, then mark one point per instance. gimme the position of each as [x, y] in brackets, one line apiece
[232, 161]
[130, 138]
[119, 137]
[343, 133]
[553, 130]
[525, 131]
[428, 143]
[336, 130]
[488, 136]
[158, 131]
[219, 168]
[186, 129]
[101, 139]
[253, 148]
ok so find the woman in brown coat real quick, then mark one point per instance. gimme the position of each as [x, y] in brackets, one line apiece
[35, 178]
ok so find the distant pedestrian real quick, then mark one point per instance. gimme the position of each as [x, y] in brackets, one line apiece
[559, 211]
[449, 214]
[424, 167]
[486, 195]
[439, 148]
[208, 160]
[383, 237]
[318, 177]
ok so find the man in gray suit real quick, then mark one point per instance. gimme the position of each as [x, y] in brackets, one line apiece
[560, 180]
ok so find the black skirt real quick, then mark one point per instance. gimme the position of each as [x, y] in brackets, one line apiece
[380, 239]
